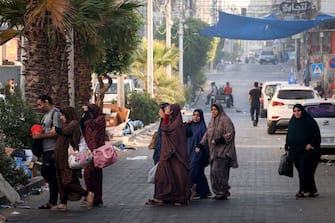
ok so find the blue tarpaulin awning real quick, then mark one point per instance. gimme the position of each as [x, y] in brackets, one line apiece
[247, 28]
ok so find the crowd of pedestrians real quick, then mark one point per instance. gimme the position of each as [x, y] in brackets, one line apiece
[180, 174]
[182, 151]
[61, 128]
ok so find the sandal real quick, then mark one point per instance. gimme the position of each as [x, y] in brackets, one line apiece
[59, 207]
[154, 202]
[300, 195]
[45, 206]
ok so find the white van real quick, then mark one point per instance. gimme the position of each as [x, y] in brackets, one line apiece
[111, 95]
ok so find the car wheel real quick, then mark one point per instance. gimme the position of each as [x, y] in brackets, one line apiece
[272, 129]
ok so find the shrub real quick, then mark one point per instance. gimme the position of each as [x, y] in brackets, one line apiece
[143, 107]
[16, 118]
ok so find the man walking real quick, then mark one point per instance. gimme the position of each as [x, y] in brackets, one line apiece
[50, 120]
[254, 100]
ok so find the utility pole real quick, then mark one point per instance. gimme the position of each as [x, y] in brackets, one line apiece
[168, 31]
[181, 38]
[150, 63]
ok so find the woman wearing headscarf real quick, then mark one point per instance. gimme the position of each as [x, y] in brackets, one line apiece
[67, 178]
[158, 144]
[93, 124]
[302, 144]
[198, 161]
[220, 139]
[173, 181]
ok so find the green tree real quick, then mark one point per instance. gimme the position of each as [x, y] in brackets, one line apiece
[196, 49]
[166, 89]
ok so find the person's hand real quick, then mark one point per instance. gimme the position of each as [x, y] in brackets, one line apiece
[197, 149]
[53, 130]
[167, 110]
[36, 135]
[85, 108]
[213, 142]
[309, 147]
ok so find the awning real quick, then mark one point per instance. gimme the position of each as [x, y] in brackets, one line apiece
[247, 28]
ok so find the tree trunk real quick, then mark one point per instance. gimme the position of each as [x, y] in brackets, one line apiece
[82, 74]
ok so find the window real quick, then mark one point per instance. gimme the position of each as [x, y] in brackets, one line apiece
[321, 110]
[296, 94]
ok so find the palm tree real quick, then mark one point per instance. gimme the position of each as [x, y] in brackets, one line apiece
[165, 88]
[47, 25]
[48, 28]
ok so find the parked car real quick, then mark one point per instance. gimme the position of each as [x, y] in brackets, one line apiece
[111, 95]
[323, 112]
[267, 56]
[268, 90]
[280, 107]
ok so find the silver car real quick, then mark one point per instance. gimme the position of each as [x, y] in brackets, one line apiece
[323, 112]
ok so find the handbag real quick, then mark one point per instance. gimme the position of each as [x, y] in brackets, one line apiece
[153, 141]
[104, 156]
[79, 159]
[285, 166]
[151, 174]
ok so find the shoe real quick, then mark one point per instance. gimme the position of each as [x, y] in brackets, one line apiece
[255, 123]
[220, 197]
[196, 197]
[313, 194]
[59, 207]
[154, 202]
[301, 195]
[45, 206]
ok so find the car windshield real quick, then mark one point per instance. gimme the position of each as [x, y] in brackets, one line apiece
[296, 94]
[325, 110]
[267, 53]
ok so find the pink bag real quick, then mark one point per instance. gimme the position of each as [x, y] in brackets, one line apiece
[104, 156]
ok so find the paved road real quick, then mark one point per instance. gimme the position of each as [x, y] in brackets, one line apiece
[259, 194]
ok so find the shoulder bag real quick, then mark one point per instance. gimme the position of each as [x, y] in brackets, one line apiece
[104, 156]
[79, 159]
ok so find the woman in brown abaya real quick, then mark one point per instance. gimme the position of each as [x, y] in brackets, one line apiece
[67, 178]
[173, 181]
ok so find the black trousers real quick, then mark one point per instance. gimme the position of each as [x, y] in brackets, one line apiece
[254, 112]
[48, 172]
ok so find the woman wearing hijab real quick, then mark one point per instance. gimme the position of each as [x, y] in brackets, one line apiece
[93, 125]
[220, 139]
[172, 180]
[67, 178]
[302, 144]
[198, 161]
[158, 144]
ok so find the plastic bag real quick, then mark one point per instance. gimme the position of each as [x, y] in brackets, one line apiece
[151, 174]
[285, 166]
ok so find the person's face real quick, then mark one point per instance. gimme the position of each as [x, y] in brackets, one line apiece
[161, 113]
[63, 118]
[41, 105]
[297, 113]
[214, 111]
[196, 117]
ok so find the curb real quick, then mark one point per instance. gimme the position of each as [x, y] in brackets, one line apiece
[35, 182]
